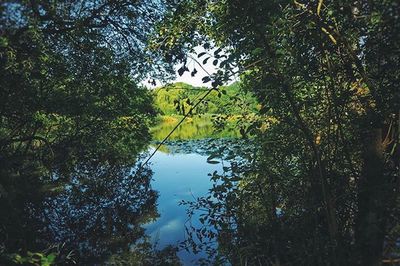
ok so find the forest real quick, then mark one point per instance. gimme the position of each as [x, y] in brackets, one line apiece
[287, 154]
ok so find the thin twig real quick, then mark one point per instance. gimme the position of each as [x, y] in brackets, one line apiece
[189, 112]
[177, 125]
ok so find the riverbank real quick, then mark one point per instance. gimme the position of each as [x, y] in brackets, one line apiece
[195, 127]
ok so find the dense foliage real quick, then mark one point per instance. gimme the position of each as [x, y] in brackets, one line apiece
[178, 98]
[72, 122]
[323, 186]
[316, 184]
[219, 115]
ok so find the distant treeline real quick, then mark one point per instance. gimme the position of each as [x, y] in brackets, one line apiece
[178, 99]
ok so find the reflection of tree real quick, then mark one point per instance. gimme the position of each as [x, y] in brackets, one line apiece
[101, 211]
[20, 189]
[327, 73]
[145, 254]
[97, 214]
[68, 95]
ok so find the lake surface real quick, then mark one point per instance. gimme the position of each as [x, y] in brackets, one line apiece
[196, 127]
[179, 175]
[98, 212]
[181, 172]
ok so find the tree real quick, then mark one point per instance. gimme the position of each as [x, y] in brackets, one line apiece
[327, 72]
[69, 101]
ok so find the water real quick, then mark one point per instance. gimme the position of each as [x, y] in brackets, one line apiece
[98, 210]
[193, 128]
[178, 176]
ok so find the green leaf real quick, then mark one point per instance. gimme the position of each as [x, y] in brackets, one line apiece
[51, 258]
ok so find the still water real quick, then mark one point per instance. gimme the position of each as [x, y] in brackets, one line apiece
[99, 213]
[178, 176]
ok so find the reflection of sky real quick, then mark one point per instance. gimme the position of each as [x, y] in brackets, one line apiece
[177, 177]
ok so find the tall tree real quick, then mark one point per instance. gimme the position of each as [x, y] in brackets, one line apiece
[70, 100]
[327, 72]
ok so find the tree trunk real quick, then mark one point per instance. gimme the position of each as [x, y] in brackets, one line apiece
[372, 195]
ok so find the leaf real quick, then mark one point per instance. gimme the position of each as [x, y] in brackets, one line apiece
[257, 51]
[212, 156]
[212, 162]
[205, 60]
[181, 71]
[18, 259]
[216, 84]
[215, 62]
[51, 258]
[319, 6]
[217, 51]
[206, 79]
[201, 54]
[194, 72]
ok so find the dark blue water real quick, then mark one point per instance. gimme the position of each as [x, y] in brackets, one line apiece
[178, 176]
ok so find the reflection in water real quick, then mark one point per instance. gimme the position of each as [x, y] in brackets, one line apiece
[192, 128]
[100, 212]
[177, 177]
[181, 173]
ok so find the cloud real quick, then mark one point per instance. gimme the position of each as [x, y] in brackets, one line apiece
[172, 226]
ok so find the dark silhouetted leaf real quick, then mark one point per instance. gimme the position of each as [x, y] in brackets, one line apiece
[206, 79]
[181, 71]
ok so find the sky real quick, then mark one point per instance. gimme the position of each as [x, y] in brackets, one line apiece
[196, 80]
[205, 70]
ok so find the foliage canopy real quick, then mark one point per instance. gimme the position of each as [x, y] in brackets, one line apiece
[328, 72]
